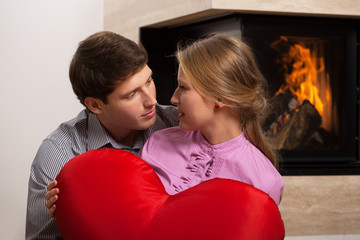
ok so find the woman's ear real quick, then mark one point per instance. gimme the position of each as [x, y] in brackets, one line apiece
[93, 104]
[219, 103]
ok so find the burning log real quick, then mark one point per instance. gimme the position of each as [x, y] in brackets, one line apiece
[283, 104]
[305, 82]
[322, 139]
[299, 127]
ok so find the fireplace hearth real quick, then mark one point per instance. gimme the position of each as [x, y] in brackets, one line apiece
[312, 65]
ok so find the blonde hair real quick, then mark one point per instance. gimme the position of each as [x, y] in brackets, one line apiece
[224, 67]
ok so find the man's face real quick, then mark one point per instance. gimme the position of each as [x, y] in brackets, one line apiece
[131, 106]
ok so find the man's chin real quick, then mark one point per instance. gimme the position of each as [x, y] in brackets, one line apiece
[148, 124]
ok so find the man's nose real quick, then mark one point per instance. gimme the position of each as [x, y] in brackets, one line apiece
[150, 97]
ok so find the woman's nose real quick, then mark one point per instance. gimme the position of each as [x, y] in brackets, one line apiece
[174, 99]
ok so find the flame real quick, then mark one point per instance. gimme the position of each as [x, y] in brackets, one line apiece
[305, 77]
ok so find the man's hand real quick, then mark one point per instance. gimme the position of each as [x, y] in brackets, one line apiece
[51, 197]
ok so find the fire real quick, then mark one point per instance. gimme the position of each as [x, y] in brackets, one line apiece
[305, 75]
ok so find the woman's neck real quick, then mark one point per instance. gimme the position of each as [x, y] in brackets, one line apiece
[224, 128]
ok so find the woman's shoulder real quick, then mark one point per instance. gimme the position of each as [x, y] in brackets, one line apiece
[267, 177]
[262, 171]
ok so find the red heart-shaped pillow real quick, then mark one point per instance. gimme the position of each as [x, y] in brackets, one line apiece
[113, 194]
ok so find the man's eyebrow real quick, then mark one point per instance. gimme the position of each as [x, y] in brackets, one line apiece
[151, 74]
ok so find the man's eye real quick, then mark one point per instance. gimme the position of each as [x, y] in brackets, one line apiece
[131, 95]
[149, 81]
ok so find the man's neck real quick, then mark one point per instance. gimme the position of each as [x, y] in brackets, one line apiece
[129, 139]
[122, 135]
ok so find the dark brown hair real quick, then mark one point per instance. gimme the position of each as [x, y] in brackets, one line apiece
[103, 60]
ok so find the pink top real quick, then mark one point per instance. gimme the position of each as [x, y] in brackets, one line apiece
[183, 159]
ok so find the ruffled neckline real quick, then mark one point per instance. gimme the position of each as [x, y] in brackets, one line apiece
[206, 162]
[232, 143]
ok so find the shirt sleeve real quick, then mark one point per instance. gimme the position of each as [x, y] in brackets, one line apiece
[277, 190]
[152, 152]
[168, 114]
[148, 154]
[47, 164]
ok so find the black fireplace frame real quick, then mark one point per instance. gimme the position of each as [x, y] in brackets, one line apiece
[161, 45]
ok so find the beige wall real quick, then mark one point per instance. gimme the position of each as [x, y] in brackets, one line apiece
[38, 40]
[126, 17]
[321, 205]
[311, 205]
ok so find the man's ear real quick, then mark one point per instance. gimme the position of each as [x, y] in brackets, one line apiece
[94, 104]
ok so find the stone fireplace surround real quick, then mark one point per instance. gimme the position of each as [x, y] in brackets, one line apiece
[311, 205]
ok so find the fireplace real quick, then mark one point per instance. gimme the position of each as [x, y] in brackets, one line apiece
[312, 65]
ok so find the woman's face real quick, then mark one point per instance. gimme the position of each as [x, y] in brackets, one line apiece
[196, 111]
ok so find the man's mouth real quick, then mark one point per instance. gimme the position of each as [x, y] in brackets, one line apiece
[150, 114]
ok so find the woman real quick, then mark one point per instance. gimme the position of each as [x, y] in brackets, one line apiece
[221, 100]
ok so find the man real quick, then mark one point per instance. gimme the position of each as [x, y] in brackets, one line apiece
[110, 76]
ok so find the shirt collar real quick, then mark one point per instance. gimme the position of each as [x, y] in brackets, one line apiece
[100, 138]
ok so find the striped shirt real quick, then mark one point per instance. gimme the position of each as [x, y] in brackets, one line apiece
[70, 139]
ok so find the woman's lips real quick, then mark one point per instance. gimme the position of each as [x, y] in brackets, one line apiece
[181, 114]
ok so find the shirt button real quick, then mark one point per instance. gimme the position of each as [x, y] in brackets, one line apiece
[209, 149]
